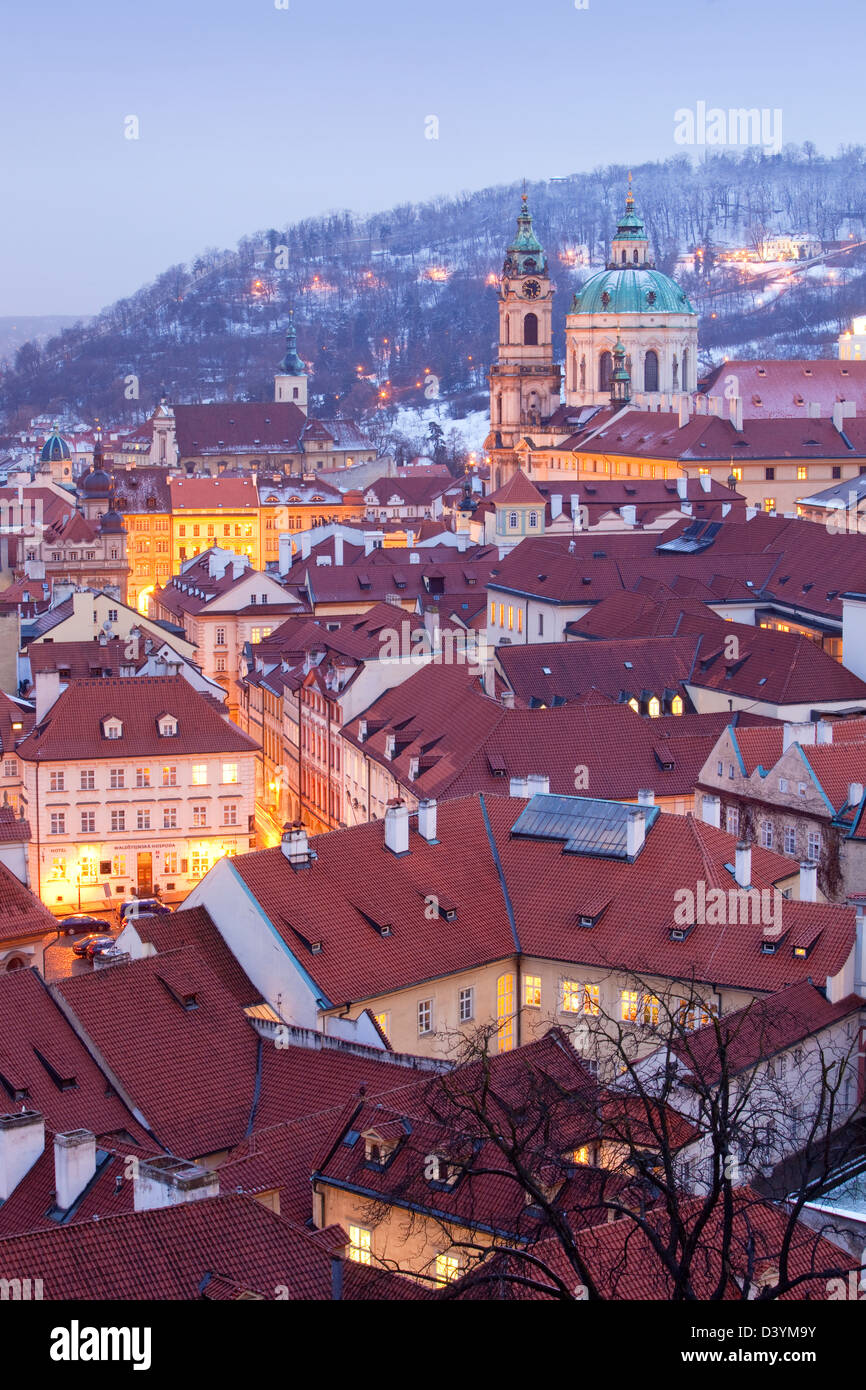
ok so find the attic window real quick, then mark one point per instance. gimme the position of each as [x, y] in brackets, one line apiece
[546, 671]
[112, 727]
[801, 952]
[680, 933]
[768, 948]
[167, 725]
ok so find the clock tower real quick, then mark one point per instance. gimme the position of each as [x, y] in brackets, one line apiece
[525, 380]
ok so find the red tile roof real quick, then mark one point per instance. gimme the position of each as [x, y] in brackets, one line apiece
[178, 1043]
[14, 830]
[176, 1252]
[765, 1027]
[193, 926]
[785, 388]
[14, 712]
[72, 728]
[212, 494]
[546, 888]
[518, 490]
[21, 912]
[44, 1065]
[238, 427]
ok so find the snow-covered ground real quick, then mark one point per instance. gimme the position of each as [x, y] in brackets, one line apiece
[473, 429]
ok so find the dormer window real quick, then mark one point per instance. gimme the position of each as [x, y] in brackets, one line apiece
[167, 725]
[112, 727]
[380, 1145]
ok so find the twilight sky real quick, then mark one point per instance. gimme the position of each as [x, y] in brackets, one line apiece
[252, 115]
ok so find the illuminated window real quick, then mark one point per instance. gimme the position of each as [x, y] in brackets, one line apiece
[384, 1022]
[629, 1005]
[520, 620]
[493, 613]
[87, 868]
[502, 615]
[650, 1011]
[447, 1268]
[591, 1000]
[198, 864]
[510, 618]
[169, 776]
[677, 704]
[199, 774]
[572, 997]
[230, 772]
[505, 1012]
[696, 1014]
[118, 866]
[802, 473]
[769, 504]
[633, 704]
[169, 818]
[654, 707]
[360, 1245]
[581, 1155]
[256, 635]
[169, 861]
[532, 991]
[142, 776]
[738, 474]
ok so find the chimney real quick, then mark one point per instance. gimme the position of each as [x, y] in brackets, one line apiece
[536, 784]
[295, 844]
[646, 797]
[855, 793]
[463, 539]
[397, 827]
[488, 678]
[415, 558]
[736, 406]
[712, 811]
[338, 550]
[808, 881]
[814, 410]
[22, 1140]
[575, 506]
[427, 821]
[743, 869]
[629, 514]
[705, 481]
[751, 513]
[824, 731]
[682, 485]
[555, 505]
[74, 1165]
[305, 545]
[47, 692]
[336, 1278]
[518, 786]
[170, 1182]
[635, 831]
[803, 733]
[685, 410]
[842, 411]
[508, 699]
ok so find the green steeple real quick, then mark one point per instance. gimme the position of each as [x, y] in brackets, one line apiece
[292, 364]
[525, 255]
[620, 381]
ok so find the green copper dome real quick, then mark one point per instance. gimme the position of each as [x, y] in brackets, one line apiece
[631, 290]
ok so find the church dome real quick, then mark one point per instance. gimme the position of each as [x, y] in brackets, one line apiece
[631, 290]
[96, 483]
[112, 522]
[55, 449]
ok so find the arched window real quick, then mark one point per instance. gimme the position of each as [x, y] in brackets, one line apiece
[605, 368]
[512, 520]
[623, 257]
[634, 257]
[654, 707]
[530, 330]
[505, 1012]
[677, 704]
[533, 519]
[499, 410]
[651, 371]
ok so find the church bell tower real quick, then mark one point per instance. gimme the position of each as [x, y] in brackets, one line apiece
[525, 380]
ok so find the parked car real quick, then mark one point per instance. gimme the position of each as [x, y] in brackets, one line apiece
[79, 922]
[97, 952]
[83, 947]
[132, 908]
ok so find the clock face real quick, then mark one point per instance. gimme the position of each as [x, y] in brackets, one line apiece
[531, 289]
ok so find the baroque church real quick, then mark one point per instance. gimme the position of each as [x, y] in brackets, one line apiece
[631, 339]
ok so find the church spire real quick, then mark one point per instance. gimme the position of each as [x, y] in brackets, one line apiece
[292, 364]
